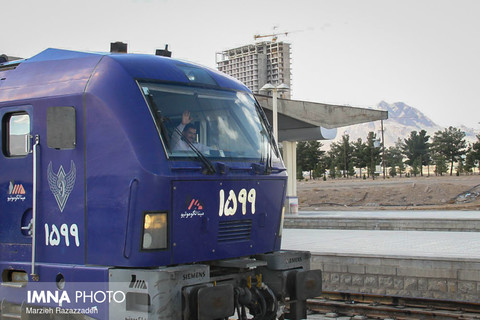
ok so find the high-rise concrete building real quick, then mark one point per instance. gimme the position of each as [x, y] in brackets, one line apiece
[258, 64]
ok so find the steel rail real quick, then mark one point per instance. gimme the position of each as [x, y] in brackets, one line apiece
[377, 306]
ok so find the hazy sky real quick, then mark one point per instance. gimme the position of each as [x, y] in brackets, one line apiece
[425, 53]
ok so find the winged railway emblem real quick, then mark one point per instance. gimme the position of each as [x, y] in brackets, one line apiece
[61, 184]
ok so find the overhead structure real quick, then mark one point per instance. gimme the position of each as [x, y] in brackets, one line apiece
[5, 58]
[296, 114]
[303, 121]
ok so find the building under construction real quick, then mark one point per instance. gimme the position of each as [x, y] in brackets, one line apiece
[258, 64]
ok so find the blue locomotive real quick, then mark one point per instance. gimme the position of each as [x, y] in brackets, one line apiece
[140, 187]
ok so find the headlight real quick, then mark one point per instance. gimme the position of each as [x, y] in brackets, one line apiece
[154, 231]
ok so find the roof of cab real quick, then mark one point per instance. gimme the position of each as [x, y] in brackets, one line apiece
[69, 71]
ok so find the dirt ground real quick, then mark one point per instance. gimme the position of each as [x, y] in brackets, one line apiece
[434, 192]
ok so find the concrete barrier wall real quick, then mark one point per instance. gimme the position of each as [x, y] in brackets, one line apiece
[401, 276]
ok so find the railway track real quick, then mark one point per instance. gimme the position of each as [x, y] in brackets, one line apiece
[362, 306]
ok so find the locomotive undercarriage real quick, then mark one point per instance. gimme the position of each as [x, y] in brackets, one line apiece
[257, 288]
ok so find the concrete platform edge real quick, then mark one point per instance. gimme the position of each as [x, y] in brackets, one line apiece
[456, 280]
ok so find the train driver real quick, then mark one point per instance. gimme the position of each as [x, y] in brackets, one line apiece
[189, 132]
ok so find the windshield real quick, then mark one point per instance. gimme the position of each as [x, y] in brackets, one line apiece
[220, 124]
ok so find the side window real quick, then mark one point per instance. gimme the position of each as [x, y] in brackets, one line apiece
[61, 128]
[16, 128]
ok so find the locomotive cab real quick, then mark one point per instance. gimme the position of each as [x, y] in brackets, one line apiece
[145, 176]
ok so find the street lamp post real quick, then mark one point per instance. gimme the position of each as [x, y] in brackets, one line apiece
[275, 90]
[376, 145]
[289, 150]
[383, 150]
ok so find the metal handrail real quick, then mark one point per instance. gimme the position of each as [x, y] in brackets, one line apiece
[34, 205]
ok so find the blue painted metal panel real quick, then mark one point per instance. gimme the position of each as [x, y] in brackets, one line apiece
[167, 69]
[60, 220]
[16, 195]
[218, 219]
[122, 146]
[50, 73]
[52, 54]
[61, 193]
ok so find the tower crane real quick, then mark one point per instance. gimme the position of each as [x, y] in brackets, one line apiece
[273, 35]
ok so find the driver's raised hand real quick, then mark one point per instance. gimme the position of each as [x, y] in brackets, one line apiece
[186, 117]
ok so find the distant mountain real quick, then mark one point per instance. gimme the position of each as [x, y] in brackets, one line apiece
[403, 114]
[402, 119]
